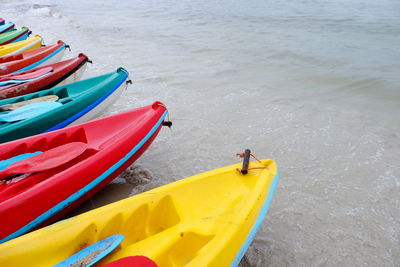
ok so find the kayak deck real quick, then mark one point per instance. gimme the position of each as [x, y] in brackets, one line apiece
[204, 220]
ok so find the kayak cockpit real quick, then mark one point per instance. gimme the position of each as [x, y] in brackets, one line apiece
[19, 184]
[13, 185]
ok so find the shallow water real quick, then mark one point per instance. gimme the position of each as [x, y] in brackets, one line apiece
[312, 84]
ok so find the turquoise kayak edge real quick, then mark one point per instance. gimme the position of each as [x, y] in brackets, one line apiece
[90, 107]
[258, 223]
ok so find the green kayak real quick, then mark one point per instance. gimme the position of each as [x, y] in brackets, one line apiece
[77, 103]
[14, 36]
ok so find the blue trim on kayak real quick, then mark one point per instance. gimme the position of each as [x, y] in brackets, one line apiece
[87, 109]
[80, 193]
[37, 63]
[21, 38]
[258, 223]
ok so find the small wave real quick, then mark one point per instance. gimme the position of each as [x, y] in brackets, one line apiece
[38, 10]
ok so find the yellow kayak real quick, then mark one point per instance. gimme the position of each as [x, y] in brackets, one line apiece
[208, 219]
[21, 46]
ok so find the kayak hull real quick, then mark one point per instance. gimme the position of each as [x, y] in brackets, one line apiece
[208, 219]
[110, 141]
[74, 76]
[101, 107]
[54, 59]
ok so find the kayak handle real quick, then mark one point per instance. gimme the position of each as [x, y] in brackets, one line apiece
[246, 159]
[167, 123]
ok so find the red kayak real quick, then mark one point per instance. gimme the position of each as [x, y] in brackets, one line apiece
[67, 166]
[42, 78]
[31, 59]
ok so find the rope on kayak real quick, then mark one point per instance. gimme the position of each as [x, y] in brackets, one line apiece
[246, 160]
[251, 154]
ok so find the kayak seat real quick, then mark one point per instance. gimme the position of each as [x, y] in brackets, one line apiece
[143, 222]
[66, 100]
[163, 216]
[43, 144]
[149, 222]
[190, 242]
[61, 93]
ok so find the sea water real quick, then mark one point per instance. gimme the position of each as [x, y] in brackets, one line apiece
[312, 84]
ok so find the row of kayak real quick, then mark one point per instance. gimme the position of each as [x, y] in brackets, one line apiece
[55, 154]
